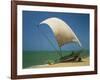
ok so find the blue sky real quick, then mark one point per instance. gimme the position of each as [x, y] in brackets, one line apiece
[34, 40]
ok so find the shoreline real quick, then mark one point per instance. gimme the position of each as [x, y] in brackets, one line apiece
[85, 62]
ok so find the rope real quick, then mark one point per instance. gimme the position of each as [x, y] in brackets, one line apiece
[50, 42]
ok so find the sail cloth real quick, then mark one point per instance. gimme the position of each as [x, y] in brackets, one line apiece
[62, 31]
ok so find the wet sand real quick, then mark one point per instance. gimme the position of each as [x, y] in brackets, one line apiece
[85, 62]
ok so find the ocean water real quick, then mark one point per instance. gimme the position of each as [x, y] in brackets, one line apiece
[32, 58]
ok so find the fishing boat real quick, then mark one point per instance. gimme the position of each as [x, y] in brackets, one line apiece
[64, 35]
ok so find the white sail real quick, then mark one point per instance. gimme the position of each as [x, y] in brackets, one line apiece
[63, 33]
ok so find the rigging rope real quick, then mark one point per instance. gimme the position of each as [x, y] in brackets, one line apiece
[60, 54]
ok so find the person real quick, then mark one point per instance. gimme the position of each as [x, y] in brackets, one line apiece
[79, 59]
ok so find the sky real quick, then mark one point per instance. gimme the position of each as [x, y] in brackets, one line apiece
[38, 37]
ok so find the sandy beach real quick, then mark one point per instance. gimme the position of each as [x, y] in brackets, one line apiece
[85, 62]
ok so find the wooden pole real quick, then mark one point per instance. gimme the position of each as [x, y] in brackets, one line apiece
[61, 52]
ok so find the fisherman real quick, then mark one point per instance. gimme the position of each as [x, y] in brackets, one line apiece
[79, 59]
